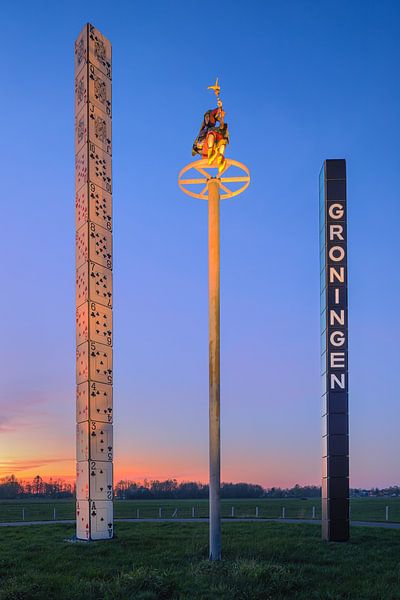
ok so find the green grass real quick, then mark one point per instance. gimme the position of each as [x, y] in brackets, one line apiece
[155, 561]
[362, 509]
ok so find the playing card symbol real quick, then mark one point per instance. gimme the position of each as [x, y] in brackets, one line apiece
[81, 130]
[94, 514]
[100, 90]
[100, 50]
[101, 129]
[110, 525]
[80, 90]
[80, 51]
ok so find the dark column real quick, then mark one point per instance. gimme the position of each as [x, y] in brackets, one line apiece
[334, 343]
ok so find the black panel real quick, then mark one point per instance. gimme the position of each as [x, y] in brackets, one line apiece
[338, 444]
[339, 530]
[336, 466]
[335, 487]
[337, 424]
[338, 508]
[336, 190]
[335, 168]
[337, 402]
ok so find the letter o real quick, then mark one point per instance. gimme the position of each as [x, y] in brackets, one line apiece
[340, 256]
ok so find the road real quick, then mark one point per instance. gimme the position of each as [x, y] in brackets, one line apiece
[385, 525]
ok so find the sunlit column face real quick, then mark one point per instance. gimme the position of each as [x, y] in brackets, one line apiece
[334, 359]
[94, 293]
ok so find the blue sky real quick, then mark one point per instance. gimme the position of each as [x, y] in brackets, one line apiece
[301, 82]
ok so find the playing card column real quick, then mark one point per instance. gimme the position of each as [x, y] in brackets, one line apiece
[94, 294]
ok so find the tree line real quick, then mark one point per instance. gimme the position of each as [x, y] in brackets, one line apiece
[12, 488]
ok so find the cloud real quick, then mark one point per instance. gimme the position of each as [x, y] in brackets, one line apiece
[8, 467]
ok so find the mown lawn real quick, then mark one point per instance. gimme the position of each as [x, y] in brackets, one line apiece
[149, 561]
[362, 509]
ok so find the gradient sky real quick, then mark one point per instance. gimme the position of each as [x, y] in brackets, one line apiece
[301, 81]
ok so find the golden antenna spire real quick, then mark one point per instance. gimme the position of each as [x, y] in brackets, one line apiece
[216, 88]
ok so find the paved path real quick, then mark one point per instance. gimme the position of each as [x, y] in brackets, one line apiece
[384, 524]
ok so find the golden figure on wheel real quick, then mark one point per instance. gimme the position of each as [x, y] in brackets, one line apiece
[198, 179]
[213, 135]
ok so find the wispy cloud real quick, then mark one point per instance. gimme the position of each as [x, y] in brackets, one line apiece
[13, 466]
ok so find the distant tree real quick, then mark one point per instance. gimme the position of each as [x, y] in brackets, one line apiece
[10, 488]
[241, 490]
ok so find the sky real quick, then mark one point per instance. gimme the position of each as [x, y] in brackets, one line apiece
[301, 81]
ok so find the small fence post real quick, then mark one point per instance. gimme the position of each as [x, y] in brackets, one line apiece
[387, 513]
[137, 514]
[54, 513]
[233, 511]
[313, 512]
[256, 512]
[23, 514]
[193, 513]
[160, 513]
[283, 512]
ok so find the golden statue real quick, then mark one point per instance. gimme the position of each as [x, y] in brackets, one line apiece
[213, 135]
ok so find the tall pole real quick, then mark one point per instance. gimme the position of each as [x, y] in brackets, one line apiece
[214, 366]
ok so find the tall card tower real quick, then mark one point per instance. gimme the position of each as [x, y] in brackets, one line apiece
[94, 330]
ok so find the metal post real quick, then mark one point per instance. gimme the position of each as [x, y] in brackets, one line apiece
[313, 512]
[23, 514]
[211, 193]
[137, 514]
[257, 512]
[283, 512]
[160, 513]
[232, 512]
[214, 366]
[193, 513]
[54, 513]
[387, 513]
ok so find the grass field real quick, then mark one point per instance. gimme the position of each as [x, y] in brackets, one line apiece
[362, 509]
[155, 561]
